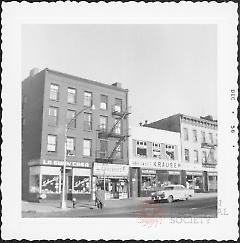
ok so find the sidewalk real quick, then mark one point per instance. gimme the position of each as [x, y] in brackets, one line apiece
[54, 206]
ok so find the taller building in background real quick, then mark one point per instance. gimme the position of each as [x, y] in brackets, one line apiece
[198, 149]
[96, 138]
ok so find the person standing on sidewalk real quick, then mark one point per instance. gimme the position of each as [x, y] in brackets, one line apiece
[99, 198]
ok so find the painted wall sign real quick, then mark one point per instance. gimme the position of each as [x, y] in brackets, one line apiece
[68, 163]
[101, 169]
[156, 164]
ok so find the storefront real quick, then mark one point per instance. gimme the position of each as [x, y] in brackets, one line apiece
[149, 176]
[46, 179]
[194, 180]
[113, 178]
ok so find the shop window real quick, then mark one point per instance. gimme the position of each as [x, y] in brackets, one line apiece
[52, 143]
[194, 135]
[87, 147]
[186, 153]
[72, 95]
[149, 182]
[87, 99]
[156, 150]
[170, 152]
[34, 183]
[54, 92]
[71, 118]
[103, 102]
[87, 122]
[103, 123]
[81, 184]
[70, 146]
[118, 105]
[118, 126]
[50, 184]
[185, 134]
[195, 156]
[141, 148]
[52, 116]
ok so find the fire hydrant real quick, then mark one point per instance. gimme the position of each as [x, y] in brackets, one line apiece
[74, 202]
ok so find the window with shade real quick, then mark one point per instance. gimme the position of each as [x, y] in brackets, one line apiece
[118, 105]
[103, 148]
[185, 134]
[52, 116]
[195, 152]
[203, 137]
[186, 154]
[71, 119]
[54, 92]
[87, 122]
[70, 146]
[194, 135]
[51, 143]
[87, 147]
[141, 147]
[87, 99]
[103, 123]
[118, 126]
[72, 95]
[103, 102]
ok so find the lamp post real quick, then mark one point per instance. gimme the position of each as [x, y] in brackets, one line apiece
[68, 125]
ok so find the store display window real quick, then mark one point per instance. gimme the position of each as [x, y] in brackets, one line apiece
[81, 184]
[149, 182]
[50, 184]
[34, 183]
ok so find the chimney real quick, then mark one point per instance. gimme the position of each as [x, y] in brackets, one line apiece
[140, 123]
[33, 72]
[146, 121]
[119, 85]
[209, 117]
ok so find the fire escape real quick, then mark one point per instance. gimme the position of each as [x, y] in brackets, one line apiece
[115, 133]
[210, 161]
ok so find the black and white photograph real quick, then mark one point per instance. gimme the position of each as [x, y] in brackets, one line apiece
[122, 122]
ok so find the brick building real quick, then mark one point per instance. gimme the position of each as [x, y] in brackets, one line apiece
[198, 149]
[96, 139]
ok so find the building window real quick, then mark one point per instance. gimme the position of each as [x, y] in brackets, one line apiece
[211, 138]
[186, 153]
[72, 96]
[203, 137]
[70, 146]
[170, 152]
[119, 153]
[52, 116]
[87, 99]
[204, 157]
[118, 126]
[118, 105]
[87, 122]
[50, 184]
[156, 150]
[71, 119]
[195, 156]
[104, 102]
[194, 135]
[103, 122]
[81, 184]
[54, 92]
[141, 148]
[87, 147]
[52, 143]
[185, 134]
[103, 148]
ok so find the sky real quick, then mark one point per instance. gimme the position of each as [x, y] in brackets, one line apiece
[167, 68]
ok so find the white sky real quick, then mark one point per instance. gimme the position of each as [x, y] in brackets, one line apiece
[168, 69]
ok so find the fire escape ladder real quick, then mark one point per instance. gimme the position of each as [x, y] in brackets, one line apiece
[116, 146]
[118, 121]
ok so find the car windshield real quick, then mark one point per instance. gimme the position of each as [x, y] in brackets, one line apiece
[168, 188]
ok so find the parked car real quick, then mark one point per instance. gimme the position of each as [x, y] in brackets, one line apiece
[172, 192]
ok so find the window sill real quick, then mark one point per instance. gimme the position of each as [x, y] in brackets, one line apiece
[70, 103]
[87, 157]
[54, 100]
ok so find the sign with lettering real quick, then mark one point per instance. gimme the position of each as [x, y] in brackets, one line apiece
[101, 169]
[148, 171]
[68, 163]
[158, 165]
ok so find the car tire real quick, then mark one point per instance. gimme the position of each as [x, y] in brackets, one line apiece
[170, 199]
[187, 197]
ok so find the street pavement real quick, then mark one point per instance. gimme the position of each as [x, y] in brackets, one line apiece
[201, 205]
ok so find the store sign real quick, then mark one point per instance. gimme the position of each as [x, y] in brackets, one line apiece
[101, 169]
[148, 171]
[68, 163]
[194, 173]
[156, 164]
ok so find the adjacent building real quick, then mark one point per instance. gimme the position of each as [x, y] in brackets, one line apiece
[154, 160]
[90, 120]
[198, 149]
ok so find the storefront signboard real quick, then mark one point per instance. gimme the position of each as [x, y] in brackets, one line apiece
[68, 163]
[212, 173]
[148, 171]
[101, 169]
[194, 173]
[156, 164]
